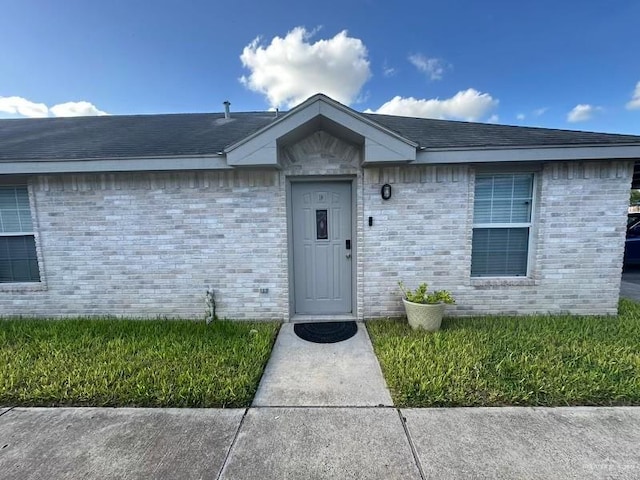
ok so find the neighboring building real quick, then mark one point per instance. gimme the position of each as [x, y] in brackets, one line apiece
[283, 215]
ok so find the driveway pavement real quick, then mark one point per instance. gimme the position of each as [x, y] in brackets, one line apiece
[630, 290]
[630, 286]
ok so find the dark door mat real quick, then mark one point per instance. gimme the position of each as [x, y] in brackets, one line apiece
[325, 332]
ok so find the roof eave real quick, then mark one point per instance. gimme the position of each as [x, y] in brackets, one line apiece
[529, 153]
[114, 164]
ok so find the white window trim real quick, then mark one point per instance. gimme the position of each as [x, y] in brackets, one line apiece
[531, 225]
[17, 234]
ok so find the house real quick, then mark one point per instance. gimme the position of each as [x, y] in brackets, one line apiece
[315, 212]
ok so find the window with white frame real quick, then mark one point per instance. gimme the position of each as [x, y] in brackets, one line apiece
[18, 258]
[501, 224]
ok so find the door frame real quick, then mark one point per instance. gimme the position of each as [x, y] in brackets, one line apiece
[352, 181]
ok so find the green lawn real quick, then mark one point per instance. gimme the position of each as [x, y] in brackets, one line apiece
[535, 360]
[132, 362]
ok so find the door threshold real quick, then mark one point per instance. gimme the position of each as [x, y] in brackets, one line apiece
[304, 318]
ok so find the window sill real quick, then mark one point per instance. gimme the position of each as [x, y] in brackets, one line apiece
[497, 282]
[23, 287]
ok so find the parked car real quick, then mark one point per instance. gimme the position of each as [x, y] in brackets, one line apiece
[632, 244]
[633, 218]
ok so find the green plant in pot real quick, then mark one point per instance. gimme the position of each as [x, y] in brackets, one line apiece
[425, 309]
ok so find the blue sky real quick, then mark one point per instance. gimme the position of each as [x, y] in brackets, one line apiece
[559, 64]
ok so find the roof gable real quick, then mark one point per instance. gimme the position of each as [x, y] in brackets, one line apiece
[380, 145]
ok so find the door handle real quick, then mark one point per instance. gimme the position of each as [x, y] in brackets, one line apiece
[348, 255]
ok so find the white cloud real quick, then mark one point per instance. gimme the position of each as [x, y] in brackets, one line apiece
[388, 71]
[26, 108]
[493, 119]
[581, 113]
[634, 103]
[433, 67]
[468, 105]
[22, 106]
[76, 109]
[534, 113]
[291, 69]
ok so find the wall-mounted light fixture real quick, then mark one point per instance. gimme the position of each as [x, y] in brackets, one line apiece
[385, 191]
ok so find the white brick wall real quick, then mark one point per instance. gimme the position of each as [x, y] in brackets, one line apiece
[421, 234]
[424, 234]
[149, 244]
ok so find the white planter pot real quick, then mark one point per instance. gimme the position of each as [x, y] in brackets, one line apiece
[425, 316]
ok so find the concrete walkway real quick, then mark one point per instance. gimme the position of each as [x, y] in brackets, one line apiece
[316, 416]
[301, 373]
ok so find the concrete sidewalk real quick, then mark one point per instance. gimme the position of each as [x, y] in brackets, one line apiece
[318, 443]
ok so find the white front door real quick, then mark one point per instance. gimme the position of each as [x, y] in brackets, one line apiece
[322, 247]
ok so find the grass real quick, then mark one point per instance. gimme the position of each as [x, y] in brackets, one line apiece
[495, 361]
[110, 362]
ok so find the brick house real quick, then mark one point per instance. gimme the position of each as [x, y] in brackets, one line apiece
[284, 215]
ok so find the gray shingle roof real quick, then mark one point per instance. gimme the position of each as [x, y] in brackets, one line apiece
[122, 136]
[431, 133]
[209, 133]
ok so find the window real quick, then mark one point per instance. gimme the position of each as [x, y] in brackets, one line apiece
[18, 258]
[501, 225]
[321, 225]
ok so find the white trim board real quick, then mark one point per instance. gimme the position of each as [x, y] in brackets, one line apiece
[113, 165]
[533, 154]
